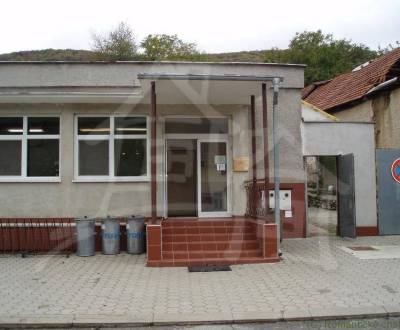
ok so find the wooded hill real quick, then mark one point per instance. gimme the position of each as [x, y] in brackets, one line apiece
[87, 55]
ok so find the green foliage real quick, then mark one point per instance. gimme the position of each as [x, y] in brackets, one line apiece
[158, 47]
[48, 55]
[328, 162]
[324, 56]
[118, 45]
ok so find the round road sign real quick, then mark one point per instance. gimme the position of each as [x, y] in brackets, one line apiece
[396, 170]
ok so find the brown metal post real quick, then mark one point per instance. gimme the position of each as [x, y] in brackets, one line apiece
[153, 146]
[265, 132]
[253, 136]
[252, 195]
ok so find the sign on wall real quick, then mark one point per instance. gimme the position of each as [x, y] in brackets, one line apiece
[241, 164]
[396, 170]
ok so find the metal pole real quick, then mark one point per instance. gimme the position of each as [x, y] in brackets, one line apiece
[277, 213]
[153, 147]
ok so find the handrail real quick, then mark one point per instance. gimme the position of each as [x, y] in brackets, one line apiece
[257, 201]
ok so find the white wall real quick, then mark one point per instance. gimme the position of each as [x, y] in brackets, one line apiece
[333, 138]
[309, 114]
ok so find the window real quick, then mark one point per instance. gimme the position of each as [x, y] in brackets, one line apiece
[196, 126]
[29, 148]
[111, 148]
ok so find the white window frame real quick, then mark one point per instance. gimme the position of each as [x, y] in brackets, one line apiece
[24, 137]
[111, 177]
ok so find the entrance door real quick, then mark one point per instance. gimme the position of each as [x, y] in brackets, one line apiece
[346, 196]
[213, 178]
[181, 177]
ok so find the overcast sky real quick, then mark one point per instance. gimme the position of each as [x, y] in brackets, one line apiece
[215, 25]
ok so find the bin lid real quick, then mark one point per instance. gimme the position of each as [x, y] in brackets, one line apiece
[110, 218]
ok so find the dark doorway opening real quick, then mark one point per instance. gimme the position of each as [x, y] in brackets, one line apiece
[182, 178]
[322, 216]
[331, 196]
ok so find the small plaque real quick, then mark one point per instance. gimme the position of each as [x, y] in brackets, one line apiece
[241, 164]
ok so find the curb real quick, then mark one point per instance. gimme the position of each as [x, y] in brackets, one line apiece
[131, 320]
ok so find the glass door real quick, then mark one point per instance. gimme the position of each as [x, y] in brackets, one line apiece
[181, 178]
[213, 178]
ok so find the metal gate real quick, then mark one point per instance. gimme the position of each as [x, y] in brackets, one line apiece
[346, 196]
[388, 192]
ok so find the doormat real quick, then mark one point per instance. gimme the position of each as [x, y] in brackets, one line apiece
[362, 248]
[209, 268]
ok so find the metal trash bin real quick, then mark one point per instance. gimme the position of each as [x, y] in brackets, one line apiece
[110, 235]
[85, 236]
[135, 235]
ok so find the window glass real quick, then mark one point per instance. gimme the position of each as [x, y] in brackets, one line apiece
[93, 157]
[130, 125]
[43, 125]
[10, 157]
[130, 157]
[11, 126]
[196, 126]
[93, 125]
[43, 156]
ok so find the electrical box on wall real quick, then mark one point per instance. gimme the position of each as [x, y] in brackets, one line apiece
[285, 200]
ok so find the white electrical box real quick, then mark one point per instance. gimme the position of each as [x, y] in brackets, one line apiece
[285, 200]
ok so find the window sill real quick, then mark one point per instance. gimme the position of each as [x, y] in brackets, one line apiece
[110, 180]
[29, 180]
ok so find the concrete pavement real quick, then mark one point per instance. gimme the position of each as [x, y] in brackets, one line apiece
[316, 280]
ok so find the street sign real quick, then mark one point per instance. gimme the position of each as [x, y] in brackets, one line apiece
[396, 170]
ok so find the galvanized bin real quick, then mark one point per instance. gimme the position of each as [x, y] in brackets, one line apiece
[135, 235]
[85, 236]
[110, 235]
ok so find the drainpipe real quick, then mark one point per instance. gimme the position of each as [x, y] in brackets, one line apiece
[277, 212]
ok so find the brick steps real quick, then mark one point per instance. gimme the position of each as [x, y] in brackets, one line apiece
[186, 242]
[219, 241]
[211, 245]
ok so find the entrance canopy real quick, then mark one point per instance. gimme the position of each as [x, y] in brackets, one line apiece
[203, 88]
[171, 89]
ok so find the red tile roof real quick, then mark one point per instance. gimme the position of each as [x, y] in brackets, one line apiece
[352, 86]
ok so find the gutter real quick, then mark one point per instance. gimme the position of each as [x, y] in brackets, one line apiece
[322, 112]
[206, 77]
[383, 85]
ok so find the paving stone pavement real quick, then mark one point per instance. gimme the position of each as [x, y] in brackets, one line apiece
[315, 279]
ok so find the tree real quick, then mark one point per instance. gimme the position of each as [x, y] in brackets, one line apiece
[324, 56]
[159, 47]
[117, 45]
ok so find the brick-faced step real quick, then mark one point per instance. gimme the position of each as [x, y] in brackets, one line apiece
[212, 261]
[208, 230]
[231, 254]
[211, 245]
[202, 223]
[168, 238]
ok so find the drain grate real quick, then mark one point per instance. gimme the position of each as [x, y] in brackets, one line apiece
[362, 248]
[209, 268]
